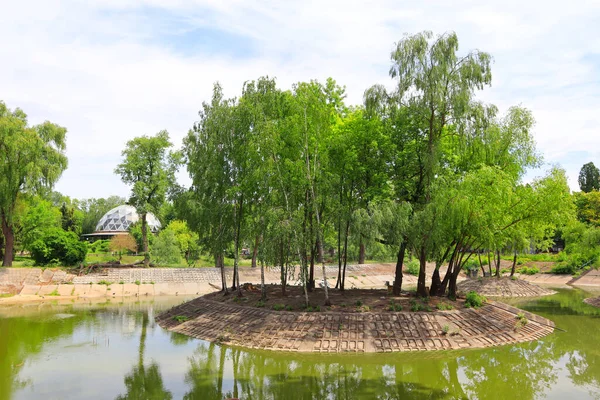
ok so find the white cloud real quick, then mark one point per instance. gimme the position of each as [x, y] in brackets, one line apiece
[113, 70]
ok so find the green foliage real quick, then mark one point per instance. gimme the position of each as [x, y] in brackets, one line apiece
[588, 207]
[394, 307]
[413, 266]
[187, 241]
[180, 318]
[32, 158]
[475, 300]
[165, 249]
[589, 178]
[444, 306]
[471, 265]
[260, 304]
[528, 270]
[58, 246]
[278, 307]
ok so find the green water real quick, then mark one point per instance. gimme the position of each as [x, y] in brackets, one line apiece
[116, 351]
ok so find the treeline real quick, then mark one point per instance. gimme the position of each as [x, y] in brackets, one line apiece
[423, 168]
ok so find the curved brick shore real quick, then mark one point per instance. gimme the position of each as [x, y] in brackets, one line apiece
[503, 287]
[593, 301]
[332, 332]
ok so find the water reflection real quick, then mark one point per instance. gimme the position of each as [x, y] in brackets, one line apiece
[117, 351]
[144, 382]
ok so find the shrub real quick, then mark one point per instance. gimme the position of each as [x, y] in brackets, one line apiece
[413, 266]
[394, 307]
[57, 245]
[474, 300]
[528, 270]
[562, 268]
[278, 307]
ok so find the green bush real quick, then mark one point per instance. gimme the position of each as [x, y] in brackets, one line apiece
[528, 270]
[60, 246]
[471, 265]
[562, 268]
[413, 266]
[165, 249]
[474, 300]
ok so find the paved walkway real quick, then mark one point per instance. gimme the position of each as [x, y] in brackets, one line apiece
[492, 325]
[503, 287]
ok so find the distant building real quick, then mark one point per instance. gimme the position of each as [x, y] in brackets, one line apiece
[118, 221]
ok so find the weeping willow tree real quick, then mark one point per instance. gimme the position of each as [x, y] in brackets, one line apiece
[32, 158]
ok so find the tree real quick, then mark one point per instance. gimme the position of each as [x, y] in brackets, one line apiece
[122, 243]
[31, 158]
[589, 178]
[150, 169]
[436, 86]
[187, 241]
[34, 217]
[588, 207]
[165, 249]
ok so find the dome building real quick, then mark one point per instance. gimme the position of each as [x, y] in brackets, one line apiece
[118, 221]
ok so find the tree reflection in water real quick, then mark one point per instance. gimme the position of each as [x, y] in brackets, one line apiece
[144, 382]
[525, 371]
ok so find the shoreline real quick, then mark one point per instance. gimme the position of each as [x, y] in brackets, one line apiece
[494, 324]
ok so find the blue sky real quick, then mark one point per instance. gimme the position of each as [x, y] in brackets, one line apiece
[115, 69]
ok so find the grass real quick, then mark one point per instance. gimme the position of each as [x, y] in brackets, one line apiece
[475, 300]
[5, 295]
[181, 318]
[444, 306]
[54, 293]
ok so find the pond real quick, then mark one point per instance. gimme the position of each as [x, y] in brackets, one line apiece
[116, 351]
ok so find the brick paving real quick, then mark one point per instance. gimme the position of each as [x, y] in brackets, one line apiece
[330, 332]
[503, 287]
[593, 301]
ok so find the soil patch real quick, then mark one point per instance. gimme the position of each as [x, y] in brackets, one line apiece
[593, 301]
[348, 301]
[376, 325]
[503, 287]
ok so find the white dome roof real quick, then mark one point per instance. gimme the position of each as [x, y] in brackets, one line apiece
[120, 219]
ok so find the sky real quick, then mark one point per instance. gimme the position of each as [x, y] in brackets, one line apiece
[112, 70]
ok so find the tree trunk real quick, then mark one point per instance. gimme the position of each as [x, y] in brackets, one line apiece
[436, 283]
[361, 251]
[145, 241]
[236, 256]
[421, 288]
[255, 251]
[339, 246]
[263, 287]
[343, 280]
[283, 271]
[497, 263]
[480, 264]
[220, 263]
[311, 276]
[514, 266]
[398, 276]
[320, 253]
[9, 243]
[489, 263]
